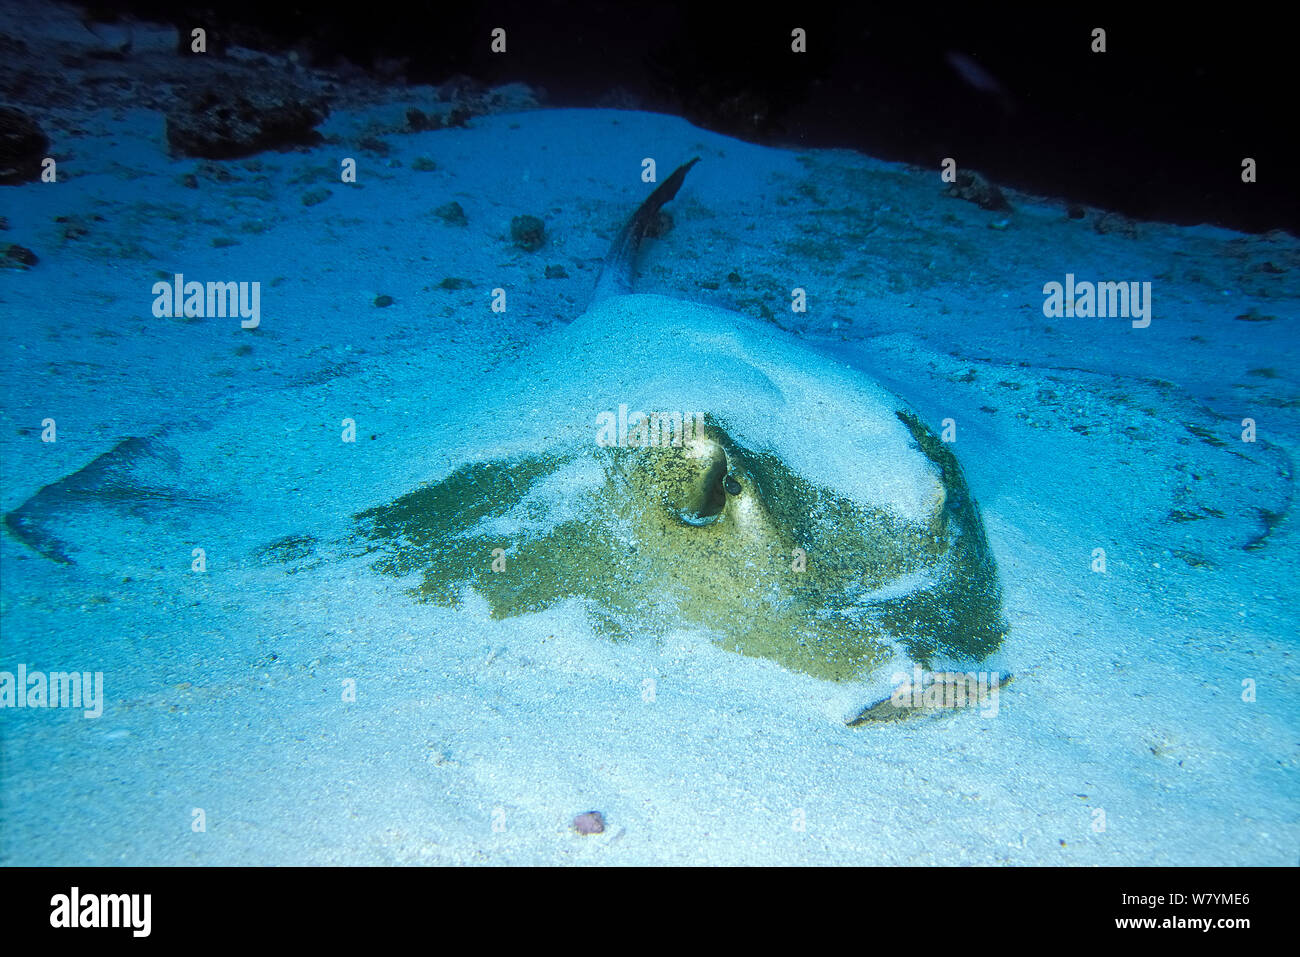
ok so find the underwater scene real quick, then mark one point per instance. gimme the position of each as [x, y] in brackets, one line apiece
[401, 472]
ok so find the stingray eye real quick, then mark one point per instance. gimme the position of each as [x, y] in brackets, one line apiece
[731, 485]
[699, 494]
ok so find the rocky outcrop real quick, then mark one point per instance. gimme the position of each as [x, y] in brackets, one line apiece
[22, 147]
[226, 123]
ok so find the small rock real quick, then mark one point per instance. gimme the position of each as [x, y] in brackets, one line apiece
[19, 257]
[528, 232]
[383, 302]
[974, 188]
[74, 227]
[190, 181]
[455, 282]
[589, 822]
[315, 196]
[373, 144]
[1250, 315]
[417, 121]
[452, 214]
[1075, 211]
[22, 147]
[556, 272]
[423, 164]
[1115, 223]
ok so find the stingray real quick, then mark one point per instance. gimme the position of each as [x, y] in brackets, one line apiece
[671, 466]
[666, 466]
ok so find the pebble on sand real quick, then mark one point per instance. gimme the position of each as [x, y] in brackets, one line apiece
[589, 822]
[528, 233]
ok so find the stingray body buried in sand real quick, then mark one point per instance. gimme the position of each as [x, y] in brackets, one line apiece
[677, 466]
[668, 466]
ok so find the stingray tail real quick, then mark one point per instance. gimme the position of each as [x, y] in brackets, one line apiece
[616, 274]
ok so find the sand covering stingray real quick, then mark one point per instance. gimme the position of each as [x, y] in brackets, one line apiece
[679, 466]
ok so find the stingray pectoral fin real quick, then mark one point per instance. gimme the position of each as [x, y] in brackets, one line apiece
[133, 482]
[27, 524]
[37, 521]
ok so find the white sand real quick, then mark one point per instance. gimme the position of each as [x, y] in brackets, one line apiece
[224, 689]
